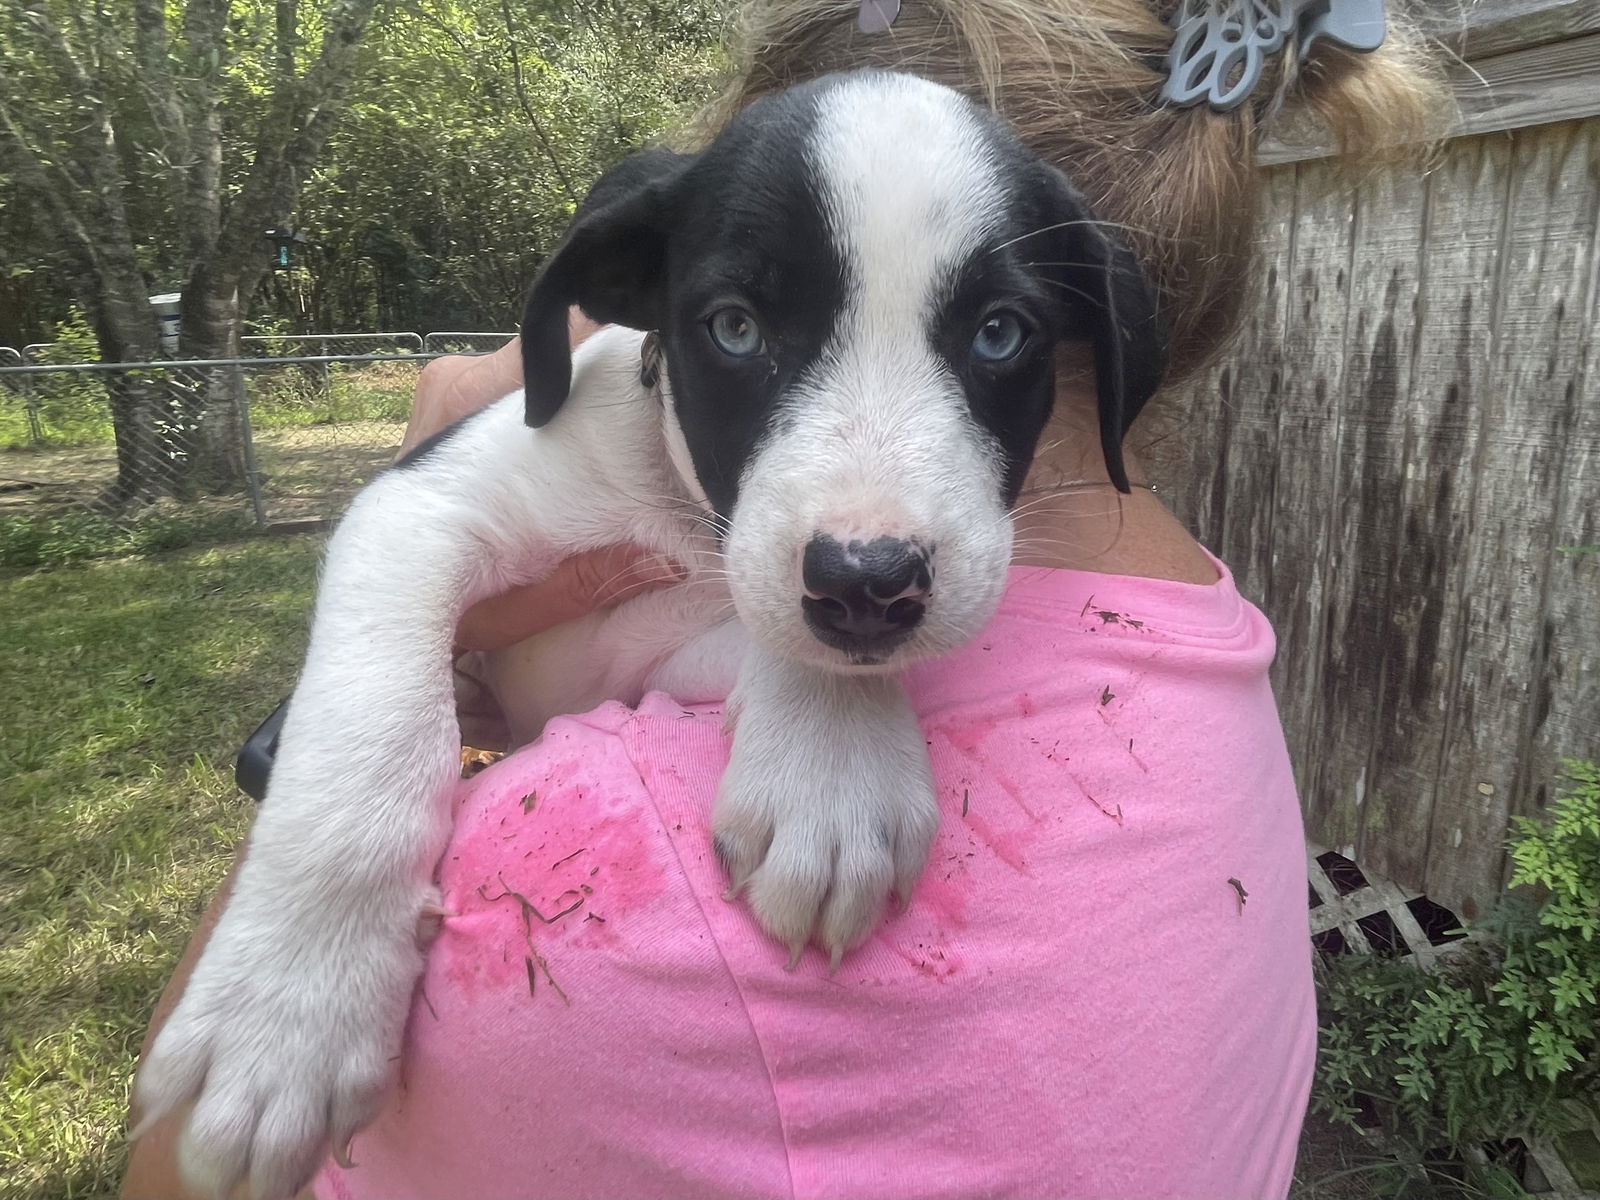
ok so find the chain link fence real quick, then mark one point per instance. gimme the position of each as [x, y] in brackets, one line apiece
[464, 343]
[283, 345]
[289, 345]
[108, 458]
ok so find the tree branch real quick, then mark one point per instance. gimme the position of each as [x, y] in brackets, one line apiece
[94, 144]
[527, 109]
[295, 129]
[205, 24]
[159, 87]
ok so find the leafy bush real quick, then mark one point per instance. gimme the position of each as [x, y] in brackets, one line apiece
[1491, 1045]
[332, 394]
[67, 409]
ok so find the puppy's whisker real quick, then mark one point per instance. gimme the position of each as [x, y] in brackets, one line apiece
[1066, 225]
[1067, 287]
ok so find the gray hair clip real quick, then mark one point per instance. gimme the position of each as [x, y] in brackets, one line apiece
[1221, 46]
[877, 15]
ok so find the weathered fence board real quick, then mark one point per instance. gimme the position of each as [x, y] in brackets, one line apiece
[1410, 484]
[1367, 537]
[1524, 87]
[1506, 561]
[1479, 28]
[1310, 434]
[1565, 713]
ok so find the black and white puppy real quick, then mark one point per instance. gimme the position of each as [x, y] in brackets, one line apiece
[858, 289]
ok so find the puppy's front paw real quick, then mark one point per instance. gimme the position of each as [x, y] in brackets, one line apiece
[826, 807]
[285, 1043]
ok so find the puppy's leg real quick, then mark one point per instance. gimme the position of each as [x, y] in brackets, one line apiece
[827, 804]
[288, 1035]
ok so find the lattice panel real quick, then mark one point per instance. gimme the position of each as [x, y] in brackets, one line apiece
[1353, 912]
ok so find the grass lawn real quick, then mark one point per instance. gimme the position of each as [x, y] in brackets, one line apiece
[129, 684]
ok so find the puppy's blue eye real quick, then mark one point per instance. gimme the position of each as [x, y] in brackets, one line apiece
[736, 333]
[1000, 337]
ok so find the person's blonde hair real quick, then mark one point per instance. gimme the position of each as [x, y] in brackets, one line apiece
[1080, 80]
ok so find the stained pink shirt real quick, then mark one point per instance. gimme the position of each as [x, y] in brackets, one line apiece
[1102, 986]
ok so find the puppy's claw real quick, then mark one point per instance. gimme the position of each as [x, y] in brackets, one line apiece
[341, 1153]
[796, 950]
[145, 1124]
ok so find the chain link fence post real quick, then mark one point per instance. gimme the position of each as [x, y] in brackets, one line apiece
[10, 356]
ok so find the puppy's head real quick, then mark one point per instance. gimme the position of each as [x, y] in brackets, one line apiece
[859, 288]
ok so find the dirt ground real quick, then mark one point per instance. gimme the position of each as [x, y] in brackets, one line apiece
[306, 472]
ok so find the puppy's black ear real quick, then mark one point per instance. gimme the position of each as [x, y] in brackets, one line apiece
[1122, 308]
[609, 264]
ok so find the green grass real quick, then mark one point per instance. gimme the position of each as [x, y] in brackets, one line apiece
[43, 539]
[75, 410]
[129, 684]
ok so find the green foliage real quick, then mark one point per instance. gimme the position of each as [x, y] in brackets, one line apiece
[332, 394]
[58, 410]
[475, 128]
[1490, 1046]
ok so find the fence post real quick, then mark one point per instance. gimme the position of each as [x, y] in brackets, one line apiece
[251, 474]
[11, 357]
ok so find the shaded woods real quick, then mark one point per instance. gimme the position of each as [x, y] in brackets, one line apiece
[427, 153]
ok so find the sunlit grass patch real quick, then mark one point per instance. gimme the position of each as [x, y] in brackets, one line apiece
[129, 686]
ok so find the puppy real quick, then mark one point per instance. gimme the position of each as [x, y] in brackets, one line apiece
[858, 289]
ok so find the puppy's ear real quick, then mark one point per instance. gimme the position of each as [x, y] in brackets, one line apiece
[609, 264]
[1121, 306]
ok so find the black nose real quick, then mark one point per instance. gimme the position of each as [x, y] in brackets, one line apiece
[863, 597]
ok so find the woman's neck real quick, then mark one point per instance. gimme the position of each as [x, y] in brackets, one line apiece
[1070, 515]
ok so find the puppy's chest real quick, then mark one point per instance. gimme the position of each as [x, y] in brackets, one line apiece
[683, 640]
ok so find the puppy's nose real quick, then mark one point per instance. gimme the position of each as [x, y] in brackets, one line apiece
[863, 596]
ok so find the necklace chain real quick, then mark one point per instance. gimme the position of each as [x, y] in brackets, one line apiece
[1084, 483]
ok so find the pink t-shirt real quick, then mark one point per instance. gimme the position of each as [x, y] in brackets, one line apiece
[1102, 986]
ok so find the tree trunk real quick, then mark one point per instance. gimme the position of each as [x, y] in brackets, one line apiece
[155, 432]
[150, 410]
[211, 316]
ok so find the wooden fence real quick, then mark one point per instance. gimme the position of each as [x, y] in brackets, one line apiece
[1401, 461]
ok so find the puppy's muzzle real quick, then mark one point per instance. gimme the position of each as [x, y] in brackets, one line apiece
[865, 598]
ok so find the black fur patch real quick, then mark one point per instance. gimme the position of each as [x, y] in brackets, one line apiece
[760, 242]
[428, 445]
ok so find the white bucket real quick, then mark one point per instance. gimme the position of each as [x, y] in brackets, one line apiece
[167, 309]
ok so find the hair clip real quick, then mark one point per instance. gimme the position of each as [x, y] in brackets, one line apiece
[1221, 46]
[877, 15]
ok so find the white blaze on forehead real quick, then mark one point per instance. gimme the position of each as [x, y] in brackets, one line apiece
[878, 437]
[910, 190]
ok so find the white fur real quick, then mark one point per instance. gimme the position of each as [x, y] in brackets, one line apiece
[286, 1038]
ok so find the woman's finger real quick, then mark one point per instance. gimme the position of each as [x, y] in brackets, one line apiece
[580, 585]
